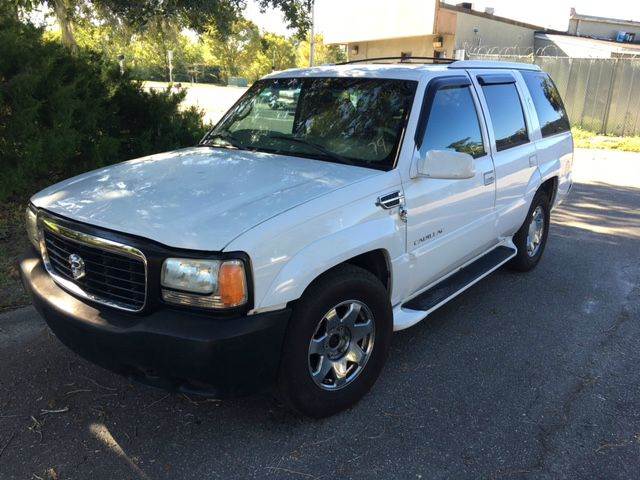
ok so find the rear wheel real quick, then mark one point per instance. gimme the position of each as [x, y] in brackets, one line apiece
[337, 342]
[531, 239]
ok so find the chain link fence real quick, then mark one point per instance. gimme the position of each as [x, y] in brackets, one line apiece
[601, 95]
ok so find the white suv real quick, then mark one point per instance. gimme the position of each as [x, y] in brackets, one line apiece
[328, 208]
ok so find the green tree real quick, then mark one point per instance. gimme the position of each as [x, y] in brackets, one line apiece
[142, 14]
[324, 54]
[280, 51]
[235, 50]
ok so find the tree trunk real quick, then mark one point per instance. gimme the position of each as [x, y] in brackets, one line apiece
[62, 10]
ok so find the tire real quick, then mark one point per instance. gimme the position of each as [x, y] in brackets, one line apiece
[321, 323]
[527, 258]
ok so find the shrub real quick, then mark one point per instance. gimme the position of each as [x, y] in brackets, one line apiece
[61, 115]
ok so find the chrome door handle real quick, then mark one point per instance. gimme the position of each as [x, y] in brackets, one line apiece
[390, 200]
[489, 177]
[533, 161]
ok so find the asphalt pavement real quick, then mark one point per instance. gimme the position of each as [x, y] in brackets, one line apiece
[524, 376]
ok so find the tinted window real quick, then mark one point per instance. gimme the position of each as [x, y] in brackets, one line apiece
[547, 102]
[453, 123]
[506, 115]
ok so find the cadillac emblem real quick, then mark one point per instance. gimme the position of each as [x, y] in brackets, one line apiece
[77, 266]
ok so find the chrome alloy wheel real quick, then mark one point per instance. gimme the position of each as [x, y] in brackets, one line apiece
[536, 231]
[341, 345]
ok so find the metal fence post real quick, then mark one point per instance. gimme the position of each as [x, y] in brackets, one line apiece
[607, 106]
[586, 91]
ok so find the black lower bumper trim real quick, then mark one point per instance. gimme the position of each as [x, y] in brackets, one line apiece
[171, 349]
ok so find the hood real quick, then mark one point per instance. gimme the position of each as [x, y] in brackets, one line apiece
[198, 198]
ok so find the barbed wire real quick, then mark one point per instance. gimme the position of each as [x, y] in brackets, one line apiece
[549, 50]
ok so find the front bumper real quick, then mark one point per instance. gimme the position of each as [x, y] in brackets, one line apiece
[171, 349]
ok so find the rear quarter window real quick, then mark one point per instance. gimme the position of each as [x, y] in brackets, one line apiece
[547, 102]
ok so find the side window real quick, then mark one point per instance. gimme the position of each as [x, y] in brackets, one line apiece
[453, 123]
[506, 113]
[547, 102]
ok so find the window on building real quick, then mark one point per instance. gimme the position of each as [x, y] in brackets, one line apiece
[507, 117]
[453, 123]
[547, 102]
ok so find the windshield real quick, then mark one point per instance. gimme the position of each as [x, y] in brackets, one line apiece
[345, 120]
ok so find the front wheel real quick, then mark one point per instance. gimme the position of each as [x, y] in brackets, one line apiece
[531, 239]
[336, 343]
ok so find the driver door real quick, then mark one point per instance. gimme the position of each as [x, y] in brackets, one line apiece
[449, 221]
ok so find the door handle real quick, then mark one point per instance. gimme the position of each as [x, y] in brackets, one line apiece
[489, 177]
[533, 161]
[390, 200]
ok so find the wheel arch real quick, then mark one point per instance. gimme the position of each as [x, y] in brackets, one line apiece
[371, 246]
[550, 187]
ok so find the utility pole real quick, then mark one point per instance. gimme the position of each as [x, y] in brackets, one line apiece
[170, 59]
[313, 33]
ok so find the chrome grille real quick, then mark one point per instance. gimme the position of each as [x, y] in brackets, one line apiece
[113, 274]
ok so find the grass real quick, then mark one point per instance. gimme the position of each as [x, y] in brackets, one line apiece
[13, 242]
[586, 139]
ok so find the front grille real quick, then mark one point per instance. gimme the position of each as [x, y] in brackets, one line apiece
[109, 277]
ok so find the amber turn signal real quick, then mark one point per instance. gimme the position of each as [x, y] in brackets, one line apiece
[232, 284]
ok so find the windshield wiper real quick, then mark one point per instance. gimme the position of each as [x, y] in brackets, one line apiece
[317, 147]
[225, 136]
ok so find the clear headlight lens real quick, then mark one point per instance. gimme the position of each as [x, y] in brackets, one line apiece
[197, 276]
[204, 283]
[31, 221]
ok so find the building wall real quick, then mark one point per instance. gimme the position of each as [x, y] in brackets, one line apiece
[490, 33]
[418, 47]
[582, 47]
[381, 28]
[590, 28]
[366, 20]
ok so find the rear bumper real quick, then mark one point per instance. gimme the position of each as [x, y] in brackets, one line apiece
[171, 349]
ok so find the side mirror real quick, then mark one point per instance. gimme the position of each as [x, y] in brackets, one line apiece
[446, 164]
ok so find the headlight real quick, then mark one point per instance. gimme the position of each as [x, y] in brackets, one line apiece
[204, 283]
[31, 221]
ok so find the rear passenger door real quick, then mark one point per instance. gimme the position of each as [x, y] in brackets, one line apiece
[511, 143]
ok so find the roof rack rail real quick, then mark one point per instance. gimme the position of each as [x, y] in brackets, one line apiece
[402, 59]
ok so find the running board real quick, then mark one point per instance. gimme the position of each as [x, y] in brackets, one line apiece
[464, 278]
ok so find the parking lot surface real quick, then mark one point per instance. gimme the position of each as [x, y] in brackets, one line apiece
[523, 376]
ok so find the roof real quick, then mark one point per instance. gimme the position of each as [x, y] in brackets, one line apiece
[591, 18]
[489, 16]
[408, 71]
[404, 71]
[565, 39]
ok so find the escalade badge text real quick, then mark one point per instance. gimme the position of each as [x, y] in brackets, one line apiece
[77, 266]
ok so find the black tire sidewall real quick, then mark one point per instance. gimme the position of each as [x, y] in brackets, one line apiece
[295, 381]
[523, 261]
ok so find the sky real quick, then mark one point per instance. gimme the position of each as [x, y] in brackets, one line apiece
[545, 13]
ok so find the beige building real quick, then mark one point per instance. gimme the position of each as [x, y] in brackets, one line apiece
[603, 28]
[428, 28]
[591, 37]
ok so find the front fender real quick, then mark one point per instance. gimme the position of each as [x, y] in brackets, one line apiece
[383, 233]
